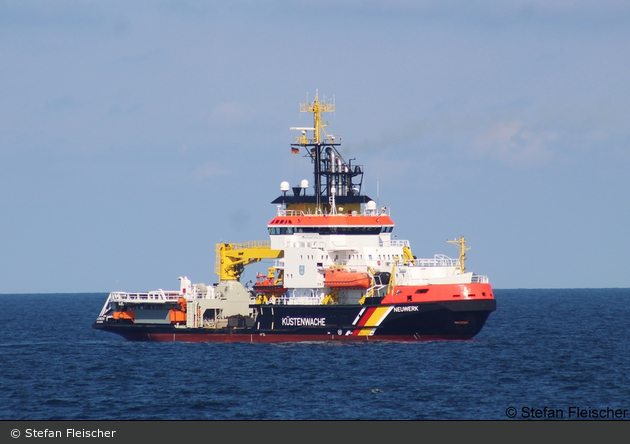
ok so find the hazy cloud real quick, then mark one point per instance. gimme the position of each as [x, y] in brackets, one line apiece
[511, 143]
[390, 138]
[485, 12]
[232, 114]
[208, 171]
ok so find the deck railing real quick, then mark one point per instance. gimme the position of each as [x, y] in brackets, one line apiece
[284, 212]
[152, 296]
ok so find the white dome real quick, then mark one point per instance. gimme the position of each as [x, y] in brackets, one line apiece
[371, 205]
[284, 186]
[304, 183]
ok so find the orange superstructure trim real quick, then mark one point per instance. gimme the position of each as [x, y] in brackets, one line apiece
[334, 220]
[436, 293]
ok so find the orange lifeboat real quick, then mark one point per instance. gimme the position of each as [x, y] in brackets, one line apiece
[267, 285]
[342, 278]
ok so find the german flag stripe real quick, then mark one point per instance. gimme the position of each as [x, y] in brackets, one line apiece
[358, 316]
[371, 319]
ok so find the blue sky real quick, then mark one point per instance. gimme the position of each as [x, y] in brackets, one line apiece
[136, 135]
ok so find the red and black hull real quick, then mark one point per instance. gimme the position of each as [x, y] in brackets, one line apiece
[291, 323]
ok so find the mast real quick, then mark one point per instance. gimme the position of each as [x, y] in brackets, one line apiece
[336, 181]
[461, 242]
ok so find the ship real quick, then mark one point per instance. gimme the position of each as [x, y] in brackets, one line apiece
[338, 274]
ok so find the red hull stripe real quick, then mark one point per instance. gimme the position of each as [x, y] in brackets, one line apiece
[192, 337]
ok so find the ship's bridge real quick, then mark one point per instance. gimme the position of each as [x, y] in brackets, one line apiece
[331, 225]
[348, 230]
[290, 222]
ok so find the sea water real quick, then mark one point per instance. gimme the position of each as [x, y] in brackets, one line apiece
[542, 355]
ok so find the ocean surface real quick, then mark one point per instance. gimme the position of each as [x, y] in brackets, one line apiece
[543, 352]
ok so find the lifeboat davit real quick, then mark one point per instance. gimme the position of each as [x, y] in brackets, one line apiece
[267, 285]
[342, 278]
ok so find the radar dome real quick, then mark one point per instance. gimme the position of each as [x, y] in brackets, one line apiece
[304, 183]
[284, 186]
[370, 206]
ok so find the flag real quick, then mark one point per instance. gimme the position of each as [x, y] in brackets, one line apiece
[295, 151]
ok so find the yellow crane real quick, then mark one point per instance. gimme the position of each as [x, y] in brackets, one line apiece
[231, 259]
[408, 256]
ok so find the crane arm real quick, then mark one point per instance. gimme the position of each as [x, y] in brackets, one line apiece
[232, 258]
